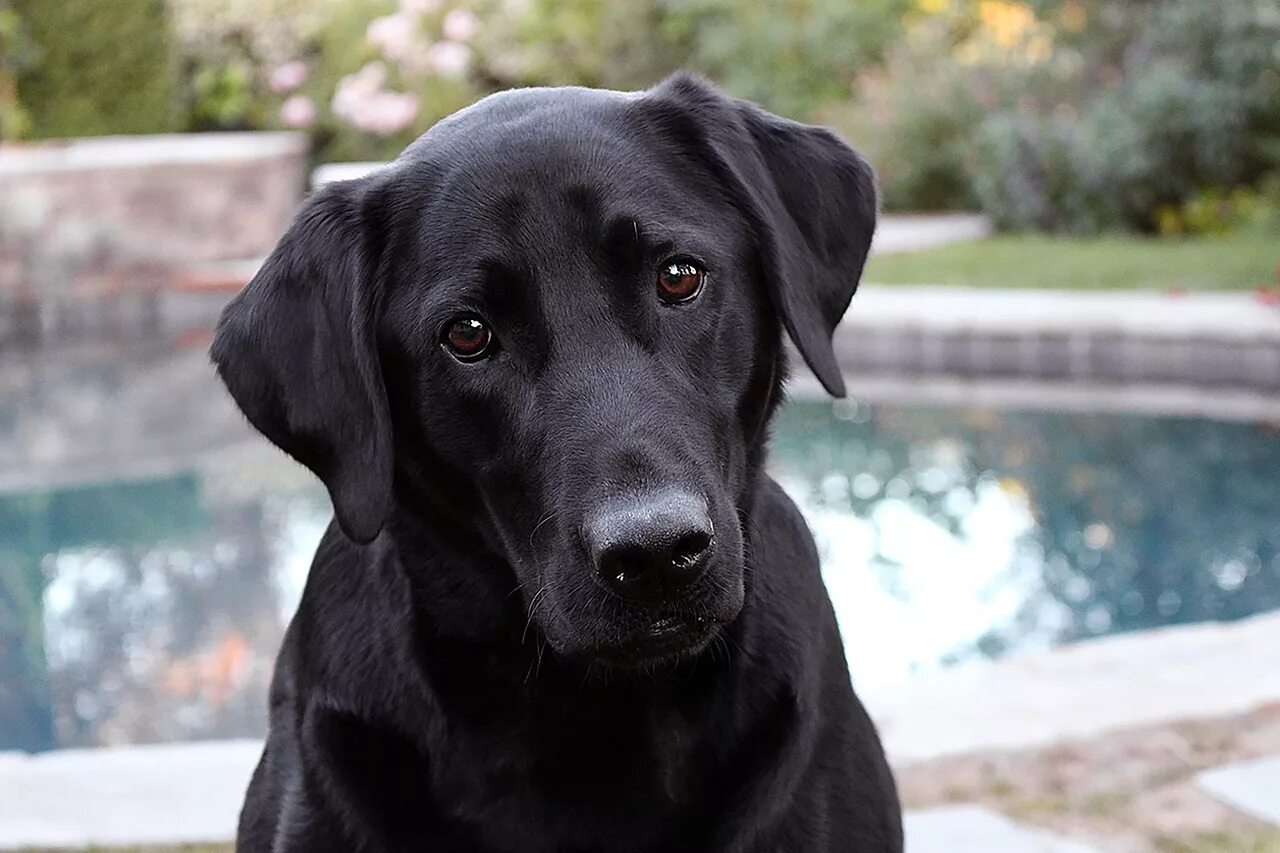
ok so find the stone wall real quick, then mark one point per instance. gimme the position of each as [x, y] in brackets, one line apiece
[92, 230]
[1203, 340]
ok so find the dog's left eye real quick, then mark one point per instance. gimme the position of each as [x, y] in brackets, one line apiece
[680, 281]
[467, 338]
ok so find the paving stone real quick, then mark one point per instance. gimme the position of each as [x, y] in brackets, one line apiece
[1219, 318]
[1082, 690]
[191, 793]
[170, 794]
[973, 829]
[1253, 787]
[906, 233]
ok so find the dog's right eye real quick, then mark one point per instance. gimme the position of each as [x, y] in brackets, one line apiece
[680, 281]
[467, 338]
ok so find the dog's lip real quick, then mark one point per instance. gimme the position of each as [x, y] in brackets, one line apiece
[667, 638]
[669, 626]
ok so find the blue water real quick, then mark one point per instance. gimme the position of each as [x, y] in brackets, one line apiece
[152, 549]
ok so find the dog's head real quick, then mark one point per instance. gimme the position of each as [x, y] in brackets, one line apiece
[553, 324]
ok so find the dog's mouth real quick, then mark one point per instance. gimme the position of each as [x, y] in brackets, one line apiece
[666, 640]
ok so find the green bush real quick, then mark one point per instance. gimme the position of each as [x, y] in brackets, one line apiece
[1218, 211]
[100, 67]
[16, 54]
[914, 118]
[796, 57]
[1148, 106]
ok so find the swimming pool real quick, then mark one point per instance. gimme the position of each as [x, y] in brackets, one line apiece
[152, 549]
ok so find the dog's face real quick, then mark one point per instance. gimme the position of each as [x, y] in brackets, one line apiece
[554, 323]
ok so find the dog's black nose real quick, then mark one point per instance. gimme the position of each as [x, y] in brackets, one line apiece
[649, 547]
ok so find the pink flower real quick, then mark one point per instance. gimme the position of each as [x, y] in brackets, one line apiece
[355, 88]
[448, 58]
[460, 25]
[361, 101]
[390, 112]
[393, 35]
[287, 77]
[298, 111]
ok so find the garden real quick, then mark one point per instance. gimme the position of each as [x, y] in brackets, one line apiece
[1144, 137]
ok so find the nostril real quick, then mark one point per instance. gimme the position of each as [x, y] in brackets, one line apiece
[689, 550]
[624, 565]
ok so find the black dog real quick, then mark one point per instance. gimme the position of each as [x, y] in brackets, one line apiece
[563, 608]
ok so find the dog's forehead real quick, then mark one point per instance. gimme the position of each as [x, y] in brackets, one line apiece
[532, 171]
[533, 111]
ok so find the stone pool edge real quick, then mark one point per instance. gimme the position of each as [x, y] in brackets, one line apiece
[1076, 692]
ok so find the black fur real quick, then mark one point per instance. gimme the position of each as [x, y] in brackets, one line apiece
[457, 677]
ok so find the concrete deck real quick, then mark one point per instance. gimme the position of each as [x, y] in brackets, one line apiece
[191, 792]
[171, 794]
[146, 152]
[1252, 787]
[897, 232]
[1083, 690]
[996, 311]
[1220, 340]
[971, 829]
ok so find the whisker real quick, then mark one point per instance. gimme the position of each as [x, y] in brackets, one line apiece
[533, 608]
[550, 515]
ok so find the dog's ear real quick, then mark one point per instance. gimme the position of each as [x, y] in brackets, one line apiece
[297, 350]
[813, 203]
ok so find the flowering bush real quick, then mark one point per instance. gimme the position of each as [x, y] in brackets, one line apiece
[1061, 115]
[362, 76]
[365, 76]
[1075, 115]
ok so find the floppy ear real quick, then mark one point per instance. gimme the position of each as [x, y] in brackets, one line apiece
[296, 349]
[813, 203]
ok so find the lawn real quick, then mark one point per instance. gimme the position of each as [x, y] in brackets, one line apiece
[1236, 262]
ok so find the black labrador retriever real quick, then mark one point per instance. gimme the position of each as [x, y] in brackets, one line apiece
[563, 609]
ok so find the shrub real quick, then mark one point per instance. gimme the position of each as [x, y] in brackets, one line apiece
[16, 54]
[1145, 108]
[100, 67]
[796, 57]
[914, 118]
[1217, 211]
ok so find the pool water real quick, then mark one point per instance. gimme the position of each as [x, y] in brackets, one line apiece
[152, 548]
[951, 535]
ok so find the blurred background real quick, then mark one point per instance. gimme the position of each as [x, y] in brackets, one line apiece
[1049, 513]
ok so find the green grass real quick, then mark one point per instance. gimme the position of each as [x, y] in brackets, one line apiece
[1261, 841]
[1235, 262]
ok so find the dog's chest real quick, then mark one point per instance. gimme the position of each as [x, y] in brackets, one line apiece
[615, 778]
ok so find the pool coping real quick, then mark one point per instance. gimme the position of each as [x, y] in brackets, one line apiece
[190, 792]
[60, 156]
[1207, 340]
[1082, 690]
[1237, 405]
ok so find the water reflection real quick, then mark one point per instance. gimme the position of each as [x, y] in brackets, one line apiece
[151, 548]
[950, 534]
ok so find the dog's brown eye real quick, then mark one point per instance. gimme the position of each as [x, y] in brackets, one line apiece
[467, 338]
[680, 281]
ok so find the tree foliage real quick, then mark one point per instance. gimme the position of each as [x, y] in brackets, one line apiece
[99, 67]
